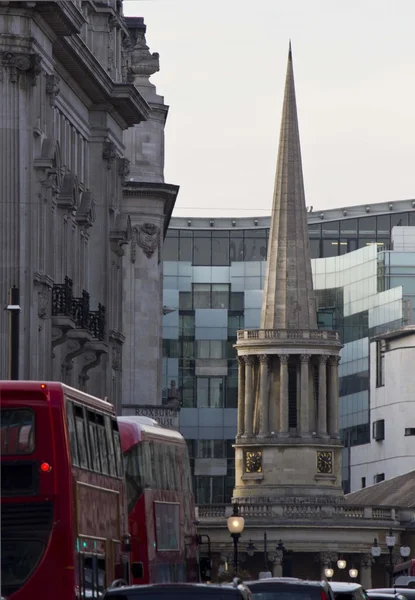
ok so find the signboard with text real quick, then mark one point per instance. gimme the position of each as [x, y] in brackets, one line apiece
[165, 416]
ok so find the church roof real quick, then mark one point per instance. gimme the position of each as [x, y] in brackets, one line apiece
[288, 300]
[398, 491]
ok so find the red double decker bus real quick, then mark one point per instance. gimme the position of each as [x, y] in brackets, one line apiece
[160, 502]
[64, 523]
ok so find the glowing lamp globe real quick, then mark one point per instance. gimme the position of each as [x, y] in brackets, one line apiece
[353, 573]
[236, 524]
[341, 563]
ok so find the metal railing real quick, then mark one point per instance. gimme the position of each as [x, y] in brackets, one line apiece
[288, 334]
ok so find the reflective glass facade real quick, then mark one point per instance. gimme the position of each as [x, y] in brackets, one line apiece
[213, 279]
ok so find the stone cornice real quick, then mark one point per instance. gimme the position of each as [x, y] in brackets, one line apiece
[165, 191]
[85, 69]
[64, 18]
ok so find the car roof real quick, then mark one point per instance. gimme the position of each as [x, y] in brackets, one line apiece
[291, 581]
[343, 586]
[166, 586]
[408, 592]
[385, 595]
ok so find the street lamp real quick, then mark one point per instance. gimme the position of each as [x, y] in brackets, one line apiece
[341, 563]
[329, 572]
[405, 551]
[353, 573]
[250, 549]
[236, 525]
[375, 549]
[390, 542]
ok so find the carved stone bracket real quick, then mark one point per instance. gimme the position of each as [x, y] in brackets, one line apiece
[52, 87]
[76, 341]
[92, 353]
[123, 168]
[60, 328]
[121, 233]
[85, 215]
[148, 238]
[109, 153]
[17, 63]
[69, 197]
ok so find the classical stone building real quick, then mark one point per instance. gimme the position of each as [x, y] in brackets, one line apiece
[287, 448]
[80, 227]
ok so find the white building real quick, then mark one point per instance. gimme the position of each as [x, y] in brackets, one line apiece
[391, 451]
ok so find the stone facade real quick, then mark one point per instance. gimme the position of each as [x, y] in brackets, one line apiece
[68, 100]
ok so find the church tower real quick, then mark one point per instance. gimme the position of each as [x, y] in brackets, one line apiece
[287, 442]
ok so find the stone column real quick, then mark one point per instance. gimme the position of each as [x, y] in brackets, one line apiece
[249, 395]
[366, 571]
[283, 392]
[322, 396]
[263, 395]
[241, 395]
[334, 396]
[305, 395]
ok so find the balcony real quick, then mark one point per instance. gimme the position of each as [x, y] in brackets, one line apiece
[69, 312]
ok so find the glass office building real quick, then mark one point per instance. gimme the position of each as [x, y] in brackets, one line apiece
[214, 273]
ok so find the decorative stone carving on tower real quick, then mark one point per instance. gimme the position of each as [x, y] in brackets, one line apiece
[287, 442]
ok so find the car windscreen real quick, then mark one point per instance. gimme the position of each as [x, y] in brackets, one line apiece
[276, 592]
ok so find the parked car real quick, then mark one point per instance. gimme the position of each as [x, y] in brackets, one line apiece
[409, 593]
[375, 595]
[180, 591]
[289, 588]
[347, 591]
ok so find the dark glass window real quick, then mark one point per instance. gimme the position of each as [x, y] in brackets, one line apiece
[315, 248]
[399, 220]
[220, 250]
[209, 490]
[255, 248]
[202, 251]
[236, 248]
[380, 361]
[210, 448]
[185, 248]
[201, 295]
[367, 227]
[330, 248]
[330, 229]
[237, 301]
[81, 436]
[383, 226]
[210, 392]
[171, 248]
[348, 228]
[363, 242]
[187, 325]
[220, 295]
[352, 384]
[355, 327]
[314, 230]
[185, 301]
[235, 322]
[17, 431]
[117, 448]
[112, 459]
[72, 433]
[412, 217]
[343, 246]
[207, 349]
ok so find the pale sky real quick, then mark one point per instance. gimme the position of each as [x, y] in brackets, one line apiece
[222, 72]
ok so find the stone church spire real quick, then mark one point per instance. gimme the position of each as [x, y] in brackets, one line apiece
[288, 301]
[287, 443]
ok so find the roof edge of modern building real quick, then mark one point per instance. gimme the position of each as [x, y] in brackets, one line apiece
[396, 333]
[318, 216]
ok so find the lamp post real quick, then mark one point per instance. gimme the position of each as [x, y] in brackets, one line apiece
[375, 549]
[236, 525]
[390, 542]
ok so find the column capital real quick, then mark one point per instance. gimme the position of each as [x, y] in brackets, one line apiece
[366, 560]
[323, 358]
[263, 358]
[305, 358]
[325, 558]
[334, 361]
[284, 358]
[249, 360]
[241, 360]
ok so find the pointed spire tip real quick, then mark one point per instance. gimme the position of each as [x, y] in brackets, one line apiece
[289, 51]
